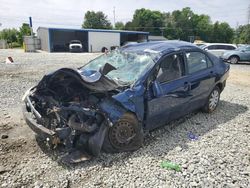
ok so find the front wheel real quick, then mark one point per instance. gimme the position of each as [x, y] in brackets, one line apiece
[212, 101]
[234, 60]
[125, 135]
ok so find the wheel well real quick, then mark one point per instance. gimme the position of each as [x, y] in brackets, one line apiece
[234, 56]
[220, 86]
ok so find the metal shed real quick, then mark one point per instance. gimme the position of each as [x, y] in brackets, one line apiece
[93, 40]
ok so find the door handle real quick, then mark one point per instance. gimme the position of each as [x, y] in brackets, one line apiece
[187, 86]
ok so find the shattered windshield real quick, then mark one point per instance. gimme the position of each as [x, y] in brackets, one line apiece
[129, 66]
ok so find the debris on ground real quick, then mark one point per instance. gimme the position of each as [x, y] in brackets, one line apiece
[171, 166]
[192, 136]
[4, 136]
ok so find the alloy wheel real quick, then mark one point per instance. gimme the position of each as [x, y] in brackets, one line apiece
[213, 100]
[233, 60]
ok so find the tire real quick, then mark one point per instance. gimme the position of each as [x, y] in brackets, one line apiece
[234, 59]
[125, 135]
[212, 101]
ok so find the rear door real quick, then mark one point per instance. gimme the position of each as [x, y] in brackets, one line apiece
[245, 56]
[172, 103]
[201, 77]
[217, 50]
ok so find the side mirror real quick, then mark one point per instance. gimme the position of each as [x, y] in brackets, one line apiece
[157, 91]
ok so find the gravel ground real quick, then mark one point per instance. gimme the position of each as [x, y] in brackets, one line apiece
[219, 158]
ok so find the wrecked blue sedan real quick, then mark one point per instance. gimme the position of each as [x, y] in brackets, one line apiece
[112, 101]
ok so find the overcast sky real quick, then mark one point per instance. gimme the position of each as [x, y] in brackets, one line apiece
[70, 13]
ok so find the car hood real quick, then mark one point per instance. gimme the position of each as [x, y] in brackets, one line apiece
[91, 79]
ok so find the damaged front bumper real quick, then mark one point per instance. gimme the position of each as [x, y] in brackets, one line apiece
[61, 135]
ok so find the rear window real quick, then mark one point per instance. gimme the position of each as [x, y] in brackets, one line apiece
[221, 47]
[197, 61]
[231, 48]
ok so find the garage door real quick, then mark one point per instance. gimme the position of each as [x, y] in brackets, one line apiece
[98, 40]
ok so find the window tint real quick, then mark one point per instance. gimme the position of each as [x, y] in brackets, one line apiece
[231, 48]
[221, 47]
[197, 61]
[212, 47]
[171, 68]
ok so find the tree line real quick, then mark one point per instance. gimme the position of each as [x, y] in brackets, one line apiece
[14, 37]
[180, 24]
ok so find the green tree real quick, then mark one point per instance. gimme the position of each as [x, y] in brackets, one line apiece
[203, 27]
[119, 25]
[23, 31]
[146, 20]
[222, 32]
[243, 34]
[96, 20]
[10, 35]
[182, 24]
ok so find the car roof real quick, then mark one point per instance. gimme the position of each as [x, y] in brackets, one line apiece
[224, 44]
[159, 46]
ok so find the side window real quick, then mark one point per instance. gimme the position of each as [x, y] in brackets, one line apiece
[230, 48]
[197, 61]
[212, 47]
[171, 68]
[222, 47]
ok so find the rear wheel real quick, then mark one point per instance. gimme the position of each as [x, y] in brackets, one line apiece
[234, 59]
[125, 135]
[212, 101]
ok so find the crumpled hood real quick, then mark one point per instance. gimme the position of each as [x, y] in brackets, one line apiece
[91, 79]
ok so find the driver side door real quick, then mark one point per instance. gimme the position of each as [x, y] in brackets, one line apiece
[172, 102]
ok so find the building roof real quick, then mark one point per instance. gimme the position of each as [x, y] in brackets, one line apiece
[94, 30]
[156, 38]
[159, 46]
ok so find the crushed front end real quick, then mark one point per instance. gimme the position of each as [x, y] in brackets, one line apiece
[64, 109]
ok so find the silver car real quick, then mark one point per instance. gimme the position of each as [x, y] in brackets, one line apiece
[218, 48]
[240, 54]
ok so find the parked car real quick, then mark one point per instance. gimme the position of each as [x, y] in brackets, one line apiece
[75, 46]
[218, 48]
[112, 101]
[240, 54]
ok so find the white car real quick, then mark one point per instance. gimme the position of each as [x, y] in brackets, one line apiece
[218, 48]
[75, 46]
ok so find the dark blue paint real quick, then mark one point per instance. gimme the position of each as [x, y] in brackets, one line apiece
[112, 109]
[162, 102]
[132, 100]
[30, 21]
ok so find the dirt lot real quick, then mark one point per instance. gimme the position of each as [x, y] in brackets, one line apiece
[219, 158]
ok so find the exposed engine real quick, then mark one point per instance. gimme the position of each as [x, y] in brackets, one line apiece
[69, 108]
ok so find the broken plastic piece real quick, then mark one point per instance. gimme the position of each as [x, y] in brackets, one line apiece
[171, 166]
[76, 157]
[9, 60]
[192, 136]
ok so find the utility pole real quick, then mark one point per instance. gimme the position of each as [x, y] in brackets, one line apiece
[237, 32]
[248, 15]
[114, 16]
